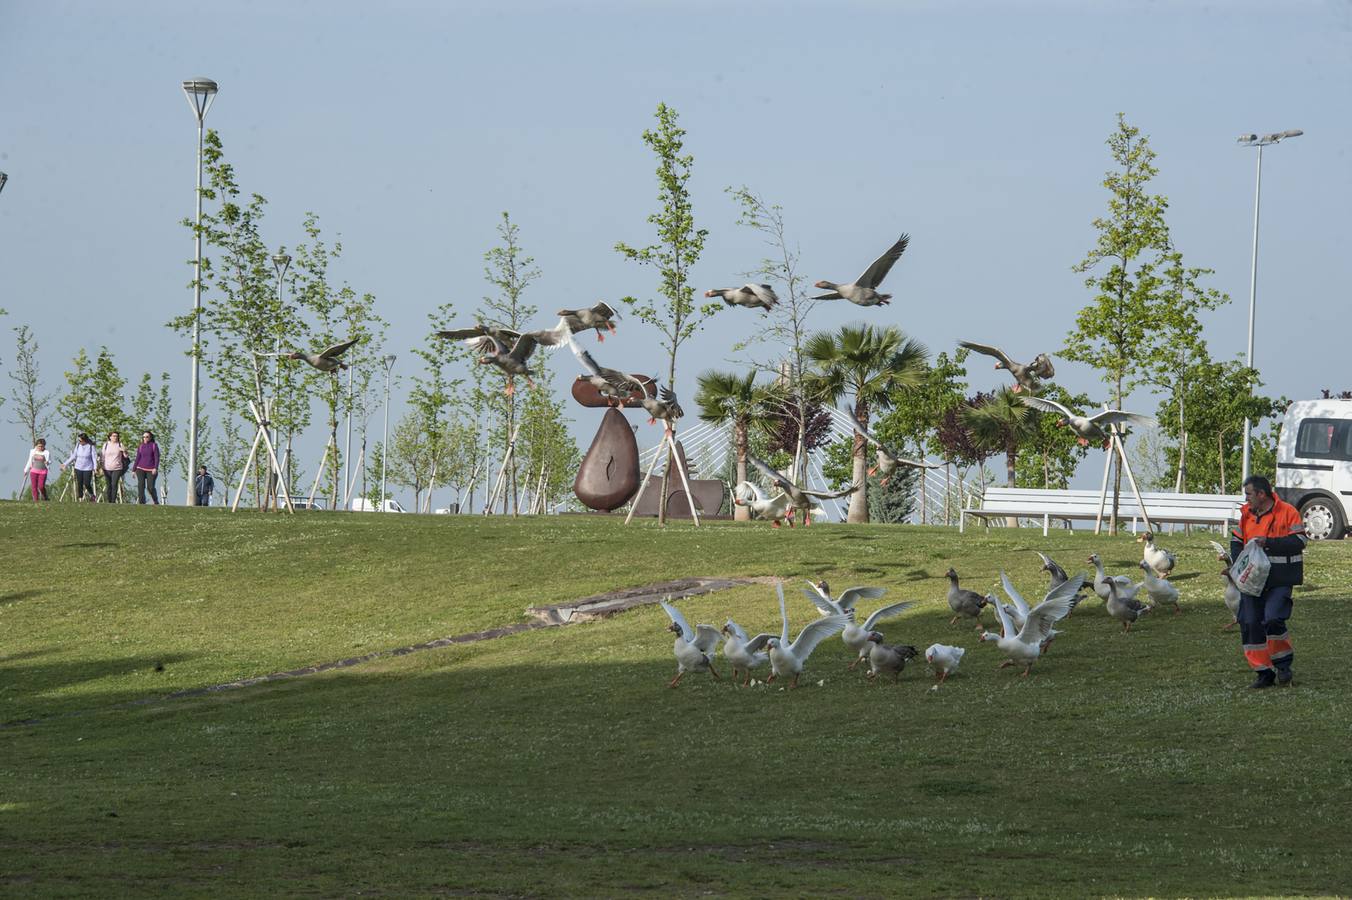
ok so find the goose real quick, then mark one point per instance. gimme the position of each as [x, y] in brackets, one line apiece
[776, 508]
[612, 384]
[1160, 560]
[1222, 552]
[1026, 644]
[788, 659]
[743, 652]
[1019, 616]
[1158, 590]
[666, 408]
[801, 498]
[1101, 579]
[1232, 596]
[962, 601]
[326, 360]
[887, 657]
[1026, 377]
[1123, 605]
[945, 659]
[751, 296]
[855, 636]
[887, 460]
[862, 291]
[597, 316]
[1088, 429]
[1054, 571]
[694, 647]
[493, 343]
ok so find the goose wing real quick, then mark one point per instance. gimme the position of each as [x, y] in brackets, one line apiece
[868, 436]
[850, 596]
[737, 630]
[988, 350]
[815, 633]
[460, 334]
[523, 348]
[757, 643]
[1006, 626]
[706, 638]
[1118, 417]
[1058, 603]
[775, 478]
[1046, 405]
[765, 293]
[834, 295]
[585, 358]
[1015, 597]
[887, 612]
[783, 618]
[602, 308]
[1042, 367]
[675, 615]
[825, 604]
[832, 495]
[874, 274]
[674, 407]
[337, 350]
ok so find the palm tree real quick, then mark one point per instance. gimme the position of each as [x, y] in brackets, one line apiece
[725, 397]
[1002, 423]
[868, 365]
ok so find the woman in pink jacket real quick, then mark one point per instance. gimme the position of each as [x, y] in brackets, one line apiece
[114, 458]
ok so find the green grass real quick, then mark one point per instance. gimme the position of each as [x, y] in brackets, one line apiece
[557, 763]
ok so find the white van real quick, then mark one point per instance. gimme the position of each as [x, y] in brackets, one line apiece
[361, 504]
[1314, 465]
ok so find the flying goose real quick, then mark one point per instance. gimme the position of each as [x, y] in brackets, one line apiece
[1160, 560]
[788, 659]
[862, 291]
[887, 460]
[945, 659]
[1026, 377]
[776, 508]
[1088, 429]
[326, 360]
[694, 647]
[1101, 579]
[751, 296]
[1026, 644]
[855, 636]
[506, 348]
[743, 652]
[612, 384]
[801, 498]
[664, 407]
[1157, 589]
[597, 317]
[886, 657]
[1123, 605]
[962, 601]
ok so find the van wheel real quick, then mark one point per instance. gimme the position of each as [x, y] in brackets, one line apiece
[1323, 519]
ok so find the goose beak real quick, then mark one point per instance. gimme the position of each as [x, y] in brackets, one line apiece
[710, 294]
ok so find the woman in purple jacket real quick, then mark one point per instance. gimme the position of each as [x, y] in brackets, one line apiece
[147, 468]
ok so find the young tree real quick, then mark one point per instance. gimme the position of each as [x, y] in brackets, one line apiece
[1113, 332]
[106, 400]
[31, 409]
[678, 247]
[869, 366]
[413, 456]
[549, 456]
[73, 407]
[915, 414]
[433, 393]
[1052, 454]
[1220, 395]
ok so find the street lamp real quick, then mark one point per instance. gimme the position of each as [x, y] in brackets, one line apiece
[388, 361]
[280, 262]
[1253, 140]
[200, 92]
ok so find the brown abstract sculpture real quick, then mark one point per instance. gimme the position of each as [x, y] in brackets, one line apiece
[609, 476]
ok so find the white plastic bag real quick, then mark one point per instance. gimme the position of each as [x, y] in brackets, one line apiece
[1250, 570]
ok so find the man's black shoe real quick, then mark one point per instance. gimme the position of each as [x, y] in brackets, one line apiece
[1264, 680]
[1284, 677]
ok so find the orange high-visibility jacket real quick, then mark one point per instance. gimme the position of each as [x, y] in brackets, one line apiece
[1284, 530]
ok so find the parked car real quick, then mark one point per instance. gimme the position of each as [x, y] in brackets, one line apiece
[305, 503]
[451, 510]
[361, 504]
[1314, 465]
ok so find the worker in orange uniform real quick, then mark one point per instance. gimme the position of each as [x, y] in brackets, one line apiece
[1279, 530]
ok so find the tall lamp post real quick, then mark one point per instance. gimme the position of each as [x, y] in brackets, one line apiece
[385, 440]
[1253, 140]
[200, 92]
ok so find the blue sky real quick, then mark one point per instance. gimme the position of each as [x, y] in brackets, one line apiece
[408, 127]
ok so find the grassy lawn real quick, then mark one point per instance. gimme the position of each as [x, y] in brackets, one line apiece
[556, 762]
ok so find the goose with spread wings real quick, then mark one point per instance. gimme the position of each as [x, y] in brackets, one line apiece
[612, 384]
[801, 498]
[751, 296]
[694, 647]
[506, 348]
[863, 291]
[776, 508]
[1018, 609]
[888, 461]
[1027, 377]
[743, 652]
[788, 659]
[598, 316]
[1025, 645]
[1089, 429]
[326, 360]
[855, 636]
[664, 406]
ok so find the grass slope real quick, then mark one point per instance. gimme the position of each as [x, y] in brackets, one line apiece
[557, 763]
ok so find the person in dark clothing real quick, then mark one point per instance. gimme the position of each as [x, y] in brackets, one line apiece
[147, 467]
[203, 485]
[1277, 527]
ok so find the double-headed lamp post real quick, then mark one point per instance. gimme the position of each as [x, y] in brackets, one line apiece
[200, 92]
[388, 362]
[1253, 140]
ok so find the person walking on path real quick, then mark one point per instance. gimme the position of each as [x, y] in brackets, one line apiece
[147, 467]
[114, 458]
[85, 459]
[1280, 531]
[203, 485]
[36, 469]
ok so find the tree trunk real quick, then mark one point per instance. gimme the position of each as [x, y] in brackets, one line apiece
[1220, 453]
[1117, 468]
[858, 514]
[1011, 457]
[924, 495]
[740, 513]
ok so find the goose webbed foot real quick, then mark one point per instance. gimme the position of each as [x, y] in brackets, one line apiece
[677, 680]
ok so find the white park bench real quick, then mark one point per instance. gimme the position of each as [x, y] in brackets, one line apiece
[1037, 503]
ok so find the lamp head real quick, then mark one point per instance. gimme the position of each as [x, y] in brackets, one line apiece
[200, 92]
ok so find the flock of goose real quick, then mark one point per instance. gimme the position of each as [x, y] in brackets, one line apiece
[1025, 632]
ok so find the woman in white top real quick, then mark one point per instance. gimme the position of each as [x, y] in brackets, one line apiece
[85, 458]
[36, 469]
